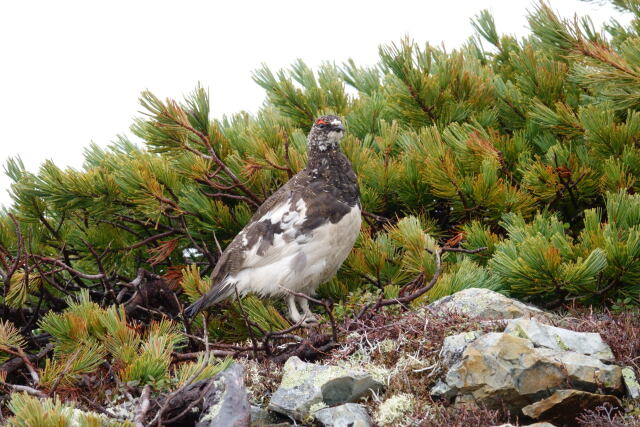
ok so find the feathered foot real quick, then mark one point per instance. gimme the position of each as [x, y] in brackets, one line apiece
[307, 318]
[310, 319]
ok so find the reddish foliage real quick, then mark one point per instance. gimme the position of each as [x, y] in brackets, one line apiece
[606, 416]
[438, 415]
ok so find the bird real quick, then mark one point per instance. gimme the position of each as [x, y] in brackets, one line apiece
[300, 236]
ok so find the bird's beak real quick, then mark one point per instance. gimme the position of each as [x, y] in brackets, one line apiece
[339, 128]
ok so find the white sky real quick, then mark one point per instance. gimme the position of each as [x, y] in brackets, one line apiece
[71, 71]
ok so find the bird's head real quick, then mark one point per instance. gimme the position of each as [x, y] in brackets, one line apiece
[326, 132]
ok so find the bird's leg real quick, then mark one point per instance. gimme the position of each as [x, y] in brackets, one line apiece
[309, 317]
[294, 315]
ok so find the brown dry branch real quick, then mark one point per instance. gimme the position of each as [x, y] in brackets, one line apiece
[45, 275]
[19, 352]
[404, 300]
[249, 325]
[213, 155]
[143, 407]
[202, 247]
[71, 270]
[278, 167]
[279, 334]
[17, 261]
[24, 388]
[151, 239]
[12, 365]
[309, 349]
[375, 217]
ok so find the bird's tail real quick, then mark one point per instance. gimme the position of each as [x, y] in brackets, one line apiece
[215, 295]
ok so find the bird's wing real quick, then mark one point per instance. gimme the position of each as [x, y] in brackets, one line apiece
[264, 238]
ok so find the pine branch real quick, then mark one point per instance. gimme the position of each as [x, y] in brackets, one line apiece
[214, 156]
[422, 290]
[71, 270]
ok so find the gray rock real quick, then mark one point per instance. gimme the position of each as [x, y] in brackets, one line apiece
[307, 387]
[564, 406]
[541, 335]
[498, 368]
[486, 304]
[347, 415]
[263, 418]
[454, 345]
[631, 383]
[228, 405]
[586, 372]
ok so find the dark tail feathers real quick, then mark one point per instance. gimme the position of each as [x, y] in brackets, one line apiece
[215, 295]
[195, 308]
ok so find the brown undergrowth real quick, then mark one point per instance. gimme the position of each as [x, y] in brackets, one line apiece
[606, 416]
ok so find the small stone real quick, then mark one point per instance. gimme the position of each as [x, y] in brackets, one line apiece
[541, 335]
[564, 406]
[230, 407]
[307, 387]
[486, 304]
[347, 415]
[631, 383]
[262, 418]
[454, 345]
[442, 389]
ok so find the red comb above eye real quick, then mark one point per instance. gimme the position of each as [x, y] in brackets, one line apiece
[321, 122]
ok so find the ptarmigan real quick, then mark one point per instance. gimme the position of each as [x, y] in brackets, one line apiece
[300, 235]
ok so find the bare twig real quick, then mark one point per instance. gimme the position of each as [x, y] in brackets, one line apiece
[34, 375]
[151, 239]
[142, 409]
[375, 217]
[422, 290]
[18, 258]
[203, 249]
[14, 364]
[249, 325]
[29, 390]
[68, 268]
[205, 139]
[274, 334]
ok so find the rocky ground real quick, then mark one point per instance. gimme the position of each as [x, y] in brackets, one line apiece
[476, 358]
